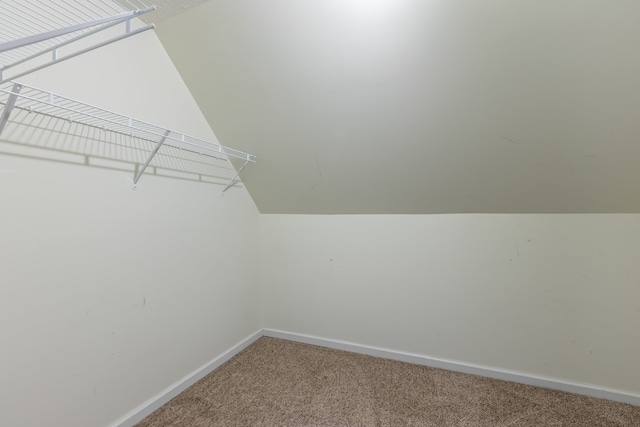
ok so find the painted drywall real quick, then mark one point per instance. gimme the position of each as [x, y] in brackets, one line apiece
[422, 106]
[109, 295]
[548, 295]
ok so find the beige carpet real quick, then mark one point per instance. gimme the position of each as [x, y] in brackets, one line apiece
[281, 383]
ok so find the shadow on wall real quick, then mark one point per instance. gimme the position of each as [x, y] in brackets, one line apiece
[36, 135]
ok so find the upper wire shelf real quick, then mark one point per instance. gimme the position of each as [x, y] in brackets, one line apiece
[65, 115]
[38, 33]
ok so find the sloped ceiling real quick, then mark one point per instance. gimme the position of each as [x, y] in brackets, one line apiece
[421, 106]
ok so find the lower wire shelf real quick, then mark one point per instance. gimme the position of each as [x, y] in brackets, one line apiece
[46, 120]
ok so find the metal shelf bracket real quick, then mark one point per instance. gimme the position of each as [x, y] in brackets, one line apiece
[151, 156]
[11, 102]
[234, 179]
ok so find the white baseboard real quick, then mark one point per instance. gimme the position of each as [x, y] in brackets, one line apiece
[144, 410]
[485, 371]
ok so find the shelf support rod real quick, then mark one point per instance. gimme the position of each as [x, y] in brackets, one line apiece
[151, 156]
[14, 44]
[233, 180]
[11, 102]
[65, 43]
[80, 52]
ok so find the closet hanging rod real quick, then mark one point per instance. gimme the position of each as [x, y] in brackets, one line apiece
[37, 38]
[56, 59]
[41, 33]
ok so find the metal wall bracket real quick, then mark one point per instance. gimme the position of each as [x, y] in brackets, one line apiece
[234, 179]
[11, 102]
[151, 156]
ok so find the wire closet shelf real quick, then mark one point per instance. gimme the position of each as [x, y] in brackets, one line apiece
[35, 34]
[150, 139]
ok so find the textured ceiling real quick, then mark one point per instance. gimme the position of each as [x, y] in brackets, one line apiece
[421, 106]
[164, 8]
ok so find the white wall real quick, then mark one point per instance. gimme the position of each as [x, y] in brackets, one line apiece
[109, 295]
[550, 295]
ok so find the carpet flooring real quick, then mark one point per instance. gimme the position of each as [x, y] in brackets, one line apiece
[281, 383]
